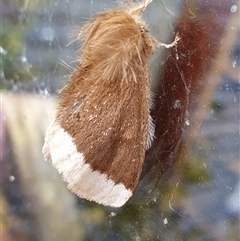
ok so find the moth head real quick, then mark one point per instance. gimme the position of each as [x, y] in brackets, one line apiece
[115, 43]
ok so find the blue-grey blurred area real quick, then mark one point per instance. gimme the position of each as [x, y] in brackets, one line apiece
[189, 191]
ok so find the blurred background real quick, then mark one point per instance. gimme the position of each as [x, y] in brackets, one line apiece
[190, 184]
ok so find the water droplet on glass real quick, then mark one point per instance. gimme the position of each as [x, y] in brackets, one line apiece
[2, 76]
[177, 104]
[113, 214]
[234, 64]
[11, 178]
[165, 221]
[44, 93]
[187, 122]
[3, 51]
[177, 57]
[47, 34]
[23, 59]
[15, 88]
[233, 8]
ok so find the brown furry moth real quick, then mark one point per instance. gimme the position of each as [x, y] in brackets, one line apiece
[103, 127]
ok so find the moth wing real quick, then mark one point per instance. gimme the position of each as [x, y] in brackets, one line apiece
[99, 148]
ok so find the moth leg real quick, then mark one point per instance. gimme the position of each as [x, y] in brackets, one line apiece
[174, 43]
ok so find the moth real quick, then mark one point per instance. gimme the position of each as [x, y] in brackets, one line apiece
[103, 127]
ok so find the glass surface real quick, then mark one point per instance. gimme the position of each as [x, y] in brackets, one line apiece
[190, 183]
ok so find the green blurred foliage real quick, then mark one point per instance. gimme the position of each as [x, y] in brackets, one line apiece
[15, 26]
[195, 171]
[13, 61]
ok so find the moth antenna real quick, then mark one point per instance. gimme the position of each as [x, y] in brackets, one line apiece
[174, 43]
